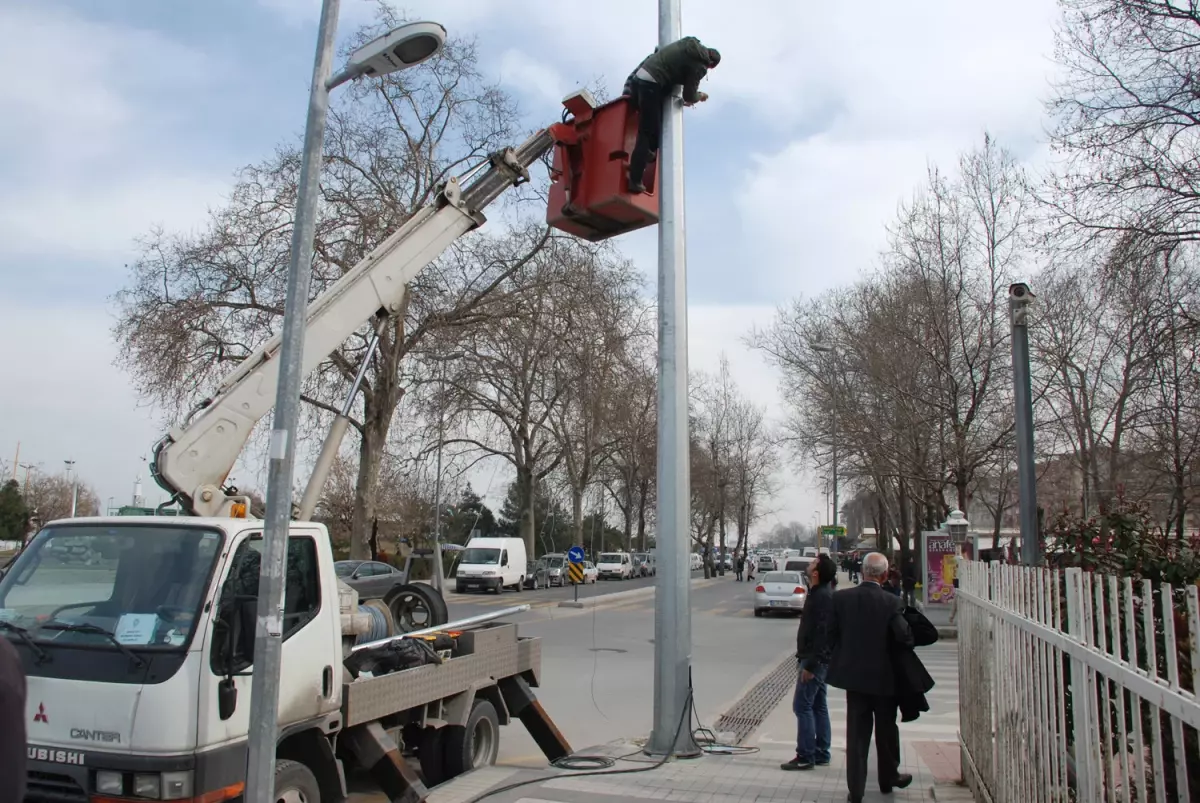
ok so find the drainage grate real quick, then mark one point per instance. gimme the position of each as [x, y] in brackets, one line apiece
[749, 712]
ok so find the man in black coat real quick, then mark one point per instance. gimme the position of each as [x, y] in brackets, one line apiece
[682, 63]
[868, 624]
[812, 650]
[12, 724]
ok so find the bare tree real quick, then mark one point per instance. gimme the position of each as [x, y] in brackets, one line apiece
[48, 497]
[197, 304]
[1126, 116]
[628, 473]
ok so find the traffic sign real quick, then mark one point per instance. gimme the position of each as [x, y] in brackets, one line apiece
[575, 571]
[829, 529]
[575, 554]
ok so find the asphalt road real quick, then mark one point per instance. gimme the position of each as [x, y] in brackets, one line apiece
[474, 603]
[598, 662]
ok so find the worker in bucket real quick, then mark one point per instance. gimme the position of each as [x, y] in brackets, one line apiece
[684, 63]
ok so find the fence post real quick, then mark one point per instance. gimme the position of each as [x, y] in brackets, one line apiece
[1076, 600]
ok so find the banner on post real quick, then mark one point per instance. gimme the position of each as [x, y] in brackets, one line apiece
[938, 553]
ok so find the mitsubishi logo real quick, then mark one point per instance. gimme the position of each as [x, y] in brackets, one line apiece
[40, 716]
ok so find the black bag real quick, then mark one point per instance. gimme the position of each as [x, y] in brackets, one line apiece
[924, 632]
[394, 656]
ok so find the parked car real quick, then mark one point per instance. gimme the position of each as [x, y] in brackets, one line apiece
[795, 564]
[590, 573]
[783, 592]
[536, 575]
[696, 562]
[615, 565]
[491, 564]
[370, 578]
[766, 563]
[644, 564]
[556, 568]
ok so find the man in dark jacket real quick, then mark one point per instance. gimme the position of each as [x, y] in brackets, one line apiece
[812, 650]
[868, 624]
[684, 63]
[12, 724]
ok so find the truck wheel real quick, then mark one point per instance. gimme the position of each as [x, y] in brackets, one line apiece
[521, 585]
[295, 783]
[474, 745]
[416, 606]
[431, 753]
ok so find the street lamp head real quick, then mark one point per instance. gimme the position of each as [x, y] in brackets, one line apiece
[956, 524]
[398, 49]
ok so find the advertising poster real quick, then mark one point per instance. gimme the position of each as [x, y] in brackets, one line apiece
[939, 553]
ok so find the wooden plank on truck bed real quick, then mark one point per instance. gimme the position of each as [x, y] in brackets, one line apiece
[368, 699]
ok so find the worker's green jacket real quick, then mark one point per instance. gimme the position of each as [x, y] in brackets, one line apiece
[684, 62]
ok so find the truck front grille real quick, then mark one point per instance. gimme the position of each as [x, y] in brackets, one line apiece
[49, 787]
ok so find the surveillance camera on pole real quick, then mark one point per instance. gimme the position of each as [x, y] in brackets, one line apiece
[1020, 297]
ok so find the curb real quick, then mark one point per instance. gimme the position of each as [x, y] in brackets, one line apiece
[951, 793]
[948, 633]
[600, 600]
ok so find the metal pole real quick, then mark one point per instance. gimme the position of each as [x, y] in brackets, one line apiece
[264, 687]
[1019, 299]
[671, 733]
[437, 492]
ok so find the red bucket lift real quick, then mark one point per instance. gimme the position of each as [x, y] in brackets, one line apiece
[589, 190]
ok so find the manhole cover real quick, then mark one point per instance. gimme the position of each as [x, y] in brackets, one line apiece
[608, 649]
[749, 712]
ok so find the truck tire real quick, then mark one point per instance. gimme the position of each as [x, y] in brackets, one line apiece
[474, 745]
[295, 783]
[431, 753]
[416, 606]
[521, 585]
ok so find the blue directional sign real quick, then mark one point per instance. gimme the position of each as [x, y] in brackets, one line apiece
[575, 554]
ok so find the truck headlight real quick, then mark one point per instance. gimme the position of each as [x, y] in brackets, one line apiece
[147, 785]
[461, 573]
[110, 783]
[177, 785]
[489, 574]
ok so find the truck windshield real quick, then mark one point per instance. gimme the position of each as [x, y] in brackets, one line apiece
[480, 556]
[610, 557]
[139, 586]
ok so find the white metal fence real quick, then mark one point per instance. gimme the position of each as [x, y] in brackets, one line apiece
[1075, 686]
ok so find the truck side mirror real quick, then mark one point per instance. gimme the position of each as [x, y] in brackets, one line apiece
[226, 698]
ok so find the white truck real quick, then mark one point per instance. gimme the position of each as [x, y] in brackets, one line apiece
[137, 633]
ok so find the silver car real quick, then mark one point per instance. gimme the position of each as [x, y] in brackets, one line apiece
[782, 592]
[370, 578]
[556, 569]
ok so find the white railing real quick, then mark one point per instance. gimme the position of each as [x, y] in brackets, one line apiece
[1074, 686]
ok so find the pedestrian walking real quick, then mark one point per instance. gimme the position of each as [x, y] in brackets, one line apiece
[12, 724]
[741, 566]
[867, 626]
[908, 581]
[855, 567]
[809, 702]
[750, 571]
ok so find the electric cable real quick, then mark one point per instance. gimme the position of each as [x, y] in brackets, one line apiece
[567, 760]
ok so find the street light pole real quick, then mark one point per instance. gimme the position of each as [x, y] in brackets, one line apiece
[1019, 299]
[825, 348]
[74, 485]
[403, 47]
[438, 570]
[671, 733]
[264, 685]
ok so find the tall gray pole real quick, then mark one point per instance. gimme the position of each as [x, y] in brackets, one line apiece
[1019, 299]
[437, 493]
[672, 612]
[264, 687]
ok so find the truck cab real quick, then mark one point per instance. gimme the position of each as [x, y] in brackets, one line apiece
[119, 621]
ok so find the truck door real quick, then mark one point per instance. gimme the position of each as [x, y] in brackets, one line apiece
[307, 676]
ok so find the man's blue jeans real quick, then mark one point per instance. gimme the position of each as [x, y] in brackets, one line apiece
[812, 718]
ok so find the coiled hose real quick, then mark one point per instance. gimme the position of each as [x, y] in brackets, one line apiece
[381, 625]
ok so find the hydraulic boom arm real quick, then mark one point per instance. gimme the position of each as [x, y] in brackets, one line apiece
[193, 461]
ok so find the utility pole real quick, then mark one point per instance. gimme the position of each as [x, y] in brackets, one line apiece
[438, 570]
[1019, 299]
[671, 733]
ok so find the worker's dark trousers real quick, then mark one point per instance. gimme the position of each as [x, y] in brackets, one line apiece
[648, 99]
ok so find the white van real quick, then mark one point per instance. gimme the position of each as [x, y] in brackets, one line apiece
[695, 563]
[615, 564]
[491, 564]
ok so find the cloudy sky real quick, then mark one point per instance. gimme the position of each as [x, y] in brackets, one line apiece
[128, 114]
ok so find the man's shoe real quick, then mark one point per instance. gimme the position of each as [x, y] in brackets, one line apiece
[902, 781]
[824, 763]
[853, 799]
[636, 188]
[796, 764]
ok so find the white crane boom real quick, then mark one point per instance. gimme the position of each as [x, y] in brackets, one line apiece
[193, 460]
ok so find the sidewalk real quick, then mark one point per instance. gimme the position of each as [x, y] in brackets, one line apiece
[929, 751]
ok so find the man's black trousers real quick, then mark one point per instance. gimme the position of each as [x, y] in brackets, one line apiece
[863, 711]
[648, 99]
